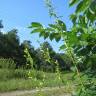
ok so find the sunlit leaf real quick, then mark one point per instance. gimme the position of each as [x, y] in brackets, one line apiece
[37, 30]
[35, 25]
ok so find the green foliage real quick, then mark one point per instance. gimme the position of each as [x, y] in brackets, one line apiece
[53, 31]
[7, 74]
[7, 63]
[20, 73]
[79, 42]
[83, 5]
[10, 47]
[36, 25]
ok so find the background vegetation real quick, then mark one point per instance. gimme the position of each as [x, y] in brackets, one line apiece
[12, 49]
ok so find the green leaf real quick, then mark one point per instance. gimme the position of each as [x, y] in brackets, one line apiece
[91, 13]
[72, 2]
[73, 17]
[72, 38]
[49, 29]
[46, 35]
[53, 26]
[52, 36]
[93, 7]
[62, 47]
[41, 34]
[37, 30]
[62, 25]
[55, 36]
[90, 16]
[83, 5]
[35, 25]
[82, 21]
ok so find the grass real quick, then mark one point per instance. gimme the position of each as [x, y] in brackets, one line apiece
[22, 84]
[17, 84]
[53, 92]
[11, 80]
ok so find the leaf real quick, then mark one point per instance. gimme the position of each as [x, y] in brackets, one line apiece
[90, 16]
[93, 7]
[73, 17]
[62, 25]
[82, 20]
[52, 36]
[72, 38]
[84, 36]
[83, 5]
[62, 47]
[55, 36]
[91, 13]
[49, 29]
[37, 30]
[35, 25]
[46, 35]
[53, 26]
[80, 92]
[80, 7]
[72, 2]
[41, 33]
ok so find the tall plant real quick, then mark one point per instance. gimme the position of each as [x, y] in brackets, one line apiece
[79, 42]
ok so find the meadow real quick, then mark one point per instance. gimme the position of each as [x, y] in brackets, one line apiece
[11, 80]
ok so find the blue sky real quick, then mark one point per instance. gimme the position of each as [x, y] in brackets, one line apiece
[20, 13]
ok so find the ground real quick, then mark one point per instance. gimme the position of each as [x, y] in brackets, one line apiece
[48, 91]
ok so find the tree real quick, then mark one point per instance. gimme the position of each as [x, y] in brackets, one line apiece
[9, 45]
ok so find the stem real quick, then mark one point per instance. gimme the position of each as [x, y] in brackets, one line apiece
[75, 63]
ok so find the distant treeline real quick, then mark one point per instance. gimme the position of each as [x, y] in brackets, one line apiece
[10, 47]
